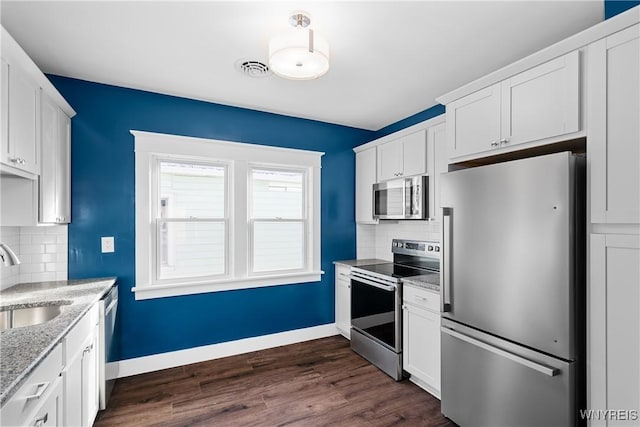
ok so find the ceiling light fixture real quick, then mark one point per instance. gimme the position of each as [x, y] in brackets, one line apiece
[299, 54]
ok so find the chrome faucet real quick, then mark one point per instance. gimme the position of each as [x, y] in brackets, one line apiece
[8, 257]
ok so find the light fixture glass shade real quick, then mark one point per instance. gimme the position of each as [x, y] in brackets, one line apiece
[299, 54]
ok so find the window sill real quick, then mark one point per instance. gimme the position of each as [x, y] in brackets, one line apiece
[190, 288]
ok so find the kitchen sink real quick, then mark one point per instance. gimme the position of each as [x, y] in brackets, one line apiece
[20, 317]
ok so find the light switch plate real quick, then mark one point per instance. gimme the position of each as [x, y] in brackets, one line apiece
[108, 245]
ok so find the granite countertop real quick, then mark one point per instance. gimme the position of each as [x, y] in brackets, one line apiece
[429, 281]
[360, 262]
[22, 349]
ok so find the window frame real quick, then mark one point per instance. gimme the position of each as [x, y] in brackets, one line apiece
[239, 159]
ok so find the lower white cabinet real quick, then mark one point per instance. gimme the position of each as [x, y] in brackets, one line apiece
[613, 354]
[50, 413]
[421, 337]
[343, 299]
[39, 397]
[81, 371]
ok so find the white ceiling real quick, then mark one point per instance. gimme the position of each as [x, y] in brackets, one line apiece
[389, 59]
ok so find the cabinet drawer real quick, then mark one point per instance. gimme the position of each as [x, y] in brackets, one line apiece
[343, 273]
[20, 407]
[78, 335]
[422, 298]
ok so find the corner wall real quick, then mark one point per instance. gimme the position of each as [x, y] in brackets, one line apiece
[102, 171]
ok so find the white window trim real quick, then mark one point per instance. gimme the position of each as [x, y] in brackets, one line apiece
[239, 157]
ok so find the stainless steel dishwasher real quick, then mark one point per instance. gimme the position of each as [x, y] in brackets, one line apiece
[108, 309]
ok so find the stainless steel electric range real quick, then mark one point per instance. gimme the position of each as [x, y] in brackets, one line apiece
[376, 302]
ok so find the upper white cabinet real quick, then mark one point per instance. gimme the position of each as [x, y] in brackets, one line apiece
[418, 150]
[405, 156]
[437, 164]
[365, 178]
[473, 122]
[613, 135]
[34, 143]
[20, 116]
[55, 183]
[540, 103]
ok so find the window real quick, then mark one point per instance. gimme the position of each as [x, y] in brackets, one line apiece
[278, 220]
[191, 223]
[216, 215]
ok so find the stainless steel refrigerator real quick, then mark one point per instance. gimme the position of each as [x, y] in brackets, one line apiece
[513, 273]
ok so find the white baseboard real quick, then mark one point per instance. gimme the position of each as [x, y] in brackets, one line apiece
[156, 362]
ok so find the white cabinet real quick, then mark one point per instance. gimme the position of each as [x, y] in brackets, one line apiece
[614, 324]
[421, 337]
[39, 396]
[50, 413]
[538, 104]
[405, 156]
[438, 164]
[613, 150]
[19, 147]
[613, 134]
[473, 122]
[365, 178]
[55, 183]
[81, 371]
[343, 299]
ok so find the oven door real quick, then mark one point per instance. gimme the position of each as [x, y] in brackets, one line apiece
[376, 311]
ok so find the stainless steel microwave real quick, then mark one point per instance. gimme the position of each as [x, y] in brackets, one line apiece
[404, 198]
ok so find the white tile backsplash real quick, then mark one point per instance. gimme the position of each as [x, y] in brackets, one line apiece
[42, 252]
[374, 241]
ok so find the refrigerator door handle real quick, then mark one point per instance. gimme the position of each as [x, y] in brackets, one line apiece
[552, 372]
[445, 296]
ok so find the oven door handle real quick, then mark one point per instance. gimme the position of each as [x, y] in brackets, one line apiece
[388, 288]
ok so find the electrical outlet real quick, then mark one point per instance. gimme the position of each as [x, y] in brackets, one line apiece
[108, 245]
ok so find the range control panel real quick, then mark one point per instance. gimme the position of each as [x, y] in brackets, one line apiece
[416, 247]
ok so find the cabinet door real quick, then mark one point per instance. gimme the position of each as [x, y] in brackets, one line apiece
[437, 138]
[55, 186]
[72, 376]
[51, 412]
[365, 178]
[614, 127]
[49, 168]
[23, 121]
[613, 358]
[63, 170]
[473, 122]
[421, 346]
[542, 102]
[343, 300]
[390, 160]
[90, 380]
[414, 154]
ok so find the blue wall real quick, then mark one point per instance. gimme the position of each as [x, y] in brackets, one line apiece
[102, 178]
[614, 7]
[429, 113]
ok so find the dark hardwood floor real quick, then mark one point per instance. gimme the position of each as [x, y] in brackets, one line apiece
[315, 383]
